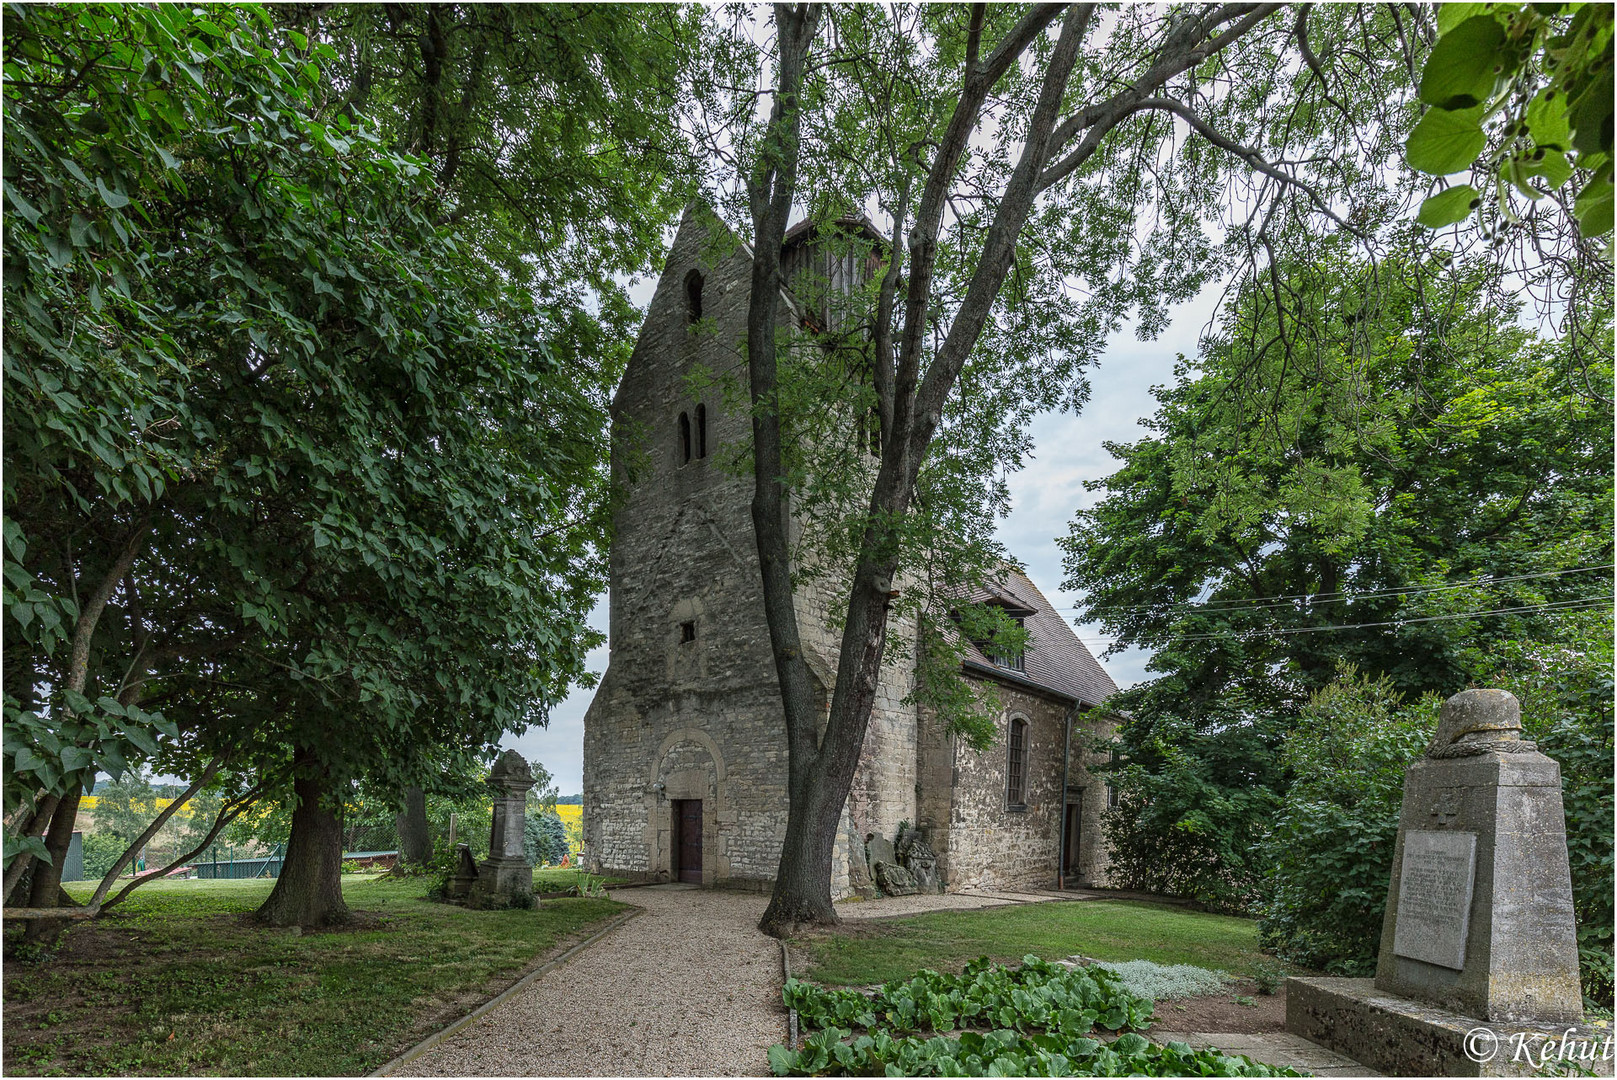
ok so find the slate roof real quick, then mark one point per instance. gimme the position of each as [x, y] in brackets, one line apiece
[1055, 661]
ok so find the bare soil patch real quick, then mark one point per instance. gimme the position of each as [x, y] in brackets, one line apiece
[1222, 1012]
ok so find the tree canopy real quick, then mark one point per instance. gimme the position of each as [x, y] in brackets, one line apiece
[1419, 485]
[275, 477]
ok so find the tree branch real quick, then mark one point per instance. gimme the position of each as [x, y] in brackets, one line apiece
[152, 830]
[227, 813]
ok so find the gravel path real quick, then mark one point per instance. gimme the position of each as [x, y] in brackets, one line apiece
[689, 988]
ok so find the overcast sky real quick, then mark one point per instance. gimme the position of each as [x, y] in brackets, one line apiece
[1068, 451]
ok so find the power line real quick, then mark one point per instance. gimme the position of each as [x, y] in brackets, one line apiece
[1261, 603]
[1587, 602]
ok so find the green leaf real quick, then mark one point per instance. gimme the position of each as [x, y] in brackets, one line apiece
[24, 207]
[1451, 15]
[30, 845]
[1590, 116]
[113, 199]
[78, 174]
[142, 739]
[1553, 168]
[1547, 120]
[1594, 208]
[76, 758]
[1447, 207]
[1446, 141]
[1460, 72]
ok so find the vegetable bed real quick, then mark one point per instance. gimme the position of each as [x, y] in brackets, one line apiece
[1037, 1019]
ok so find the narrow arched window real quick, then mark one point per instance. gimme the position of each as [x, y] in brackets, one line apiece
[693, 296]
[701, 431]
[1016, 765]
[684, 438]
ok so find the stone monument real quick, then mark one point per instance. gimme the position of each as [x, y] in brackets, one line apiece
[458, 886]
[1478, 927]
[922, 863]
[505, 878]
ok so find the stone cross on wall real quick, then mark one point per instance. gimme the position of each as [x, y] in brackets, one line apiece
[505, 879]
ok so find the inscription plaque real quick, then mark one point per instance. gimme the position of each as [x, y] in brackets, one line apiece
[1434, 897]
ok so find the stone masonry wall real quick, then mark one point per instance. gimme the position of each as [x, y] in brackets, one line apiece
[981, 842]
[701, 718]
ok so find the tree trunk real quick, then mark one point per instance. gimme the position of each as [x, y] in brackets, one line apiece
[802, 893]
[415, 839]
[821, 768]
[45, 890]
[770, 191]
[309, 890]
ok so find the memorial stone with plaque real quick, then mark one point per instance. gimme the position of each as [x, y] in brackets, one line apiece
[1478, 925]
[1479, 912]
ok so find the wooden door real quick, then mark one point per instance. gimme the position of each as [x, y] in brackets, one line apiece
[1069, 853]
[688, 840]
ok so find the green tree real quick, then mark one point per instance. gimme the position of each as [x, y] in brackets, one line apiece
[125, 805]
[101, 852]
[544, 837]
[1044, 175]
[551, 131]
[1409, 484]
[346, 524]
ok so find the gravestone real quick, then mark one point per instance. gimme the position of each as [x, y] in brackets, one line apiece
[895, 880]
[1478, 926]
[880, 850]
[505, 878]
[922, 864]
[459, 884]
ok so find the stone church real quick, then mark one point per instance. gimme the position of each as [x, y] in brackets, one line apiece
[684, 742]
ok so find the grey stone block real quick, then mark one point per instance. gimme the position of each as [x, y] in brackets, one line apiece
[895, 880]
[1400, 1037]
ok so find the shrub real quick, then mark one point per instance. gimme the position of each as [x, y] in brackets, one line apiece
[1192, 806]
[1160, 982]
[1268, 977]
[1329, 858]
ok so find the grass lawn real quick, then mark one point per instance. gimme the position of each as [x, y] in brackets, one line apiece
[174, 981]
[861, 952]
[554, 878]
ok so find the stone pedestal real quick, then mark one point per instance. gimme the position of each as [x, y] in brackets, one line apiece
[505, 878]
[1479, 913]
[1478, 929]
[1400, 1037]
